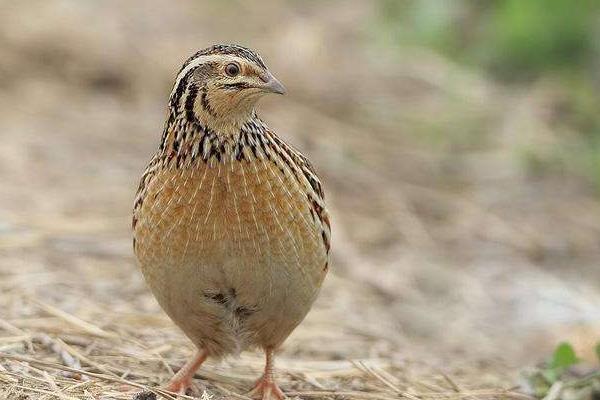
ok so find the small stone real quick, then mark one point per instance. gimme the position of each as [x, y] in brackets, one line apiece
[144, 396]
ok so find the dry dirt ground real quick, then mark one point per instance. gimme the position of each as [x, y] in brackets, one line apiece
[452, 268]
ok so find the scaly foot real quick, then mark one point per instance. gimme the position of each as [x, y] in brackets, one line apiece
[266, 389]
[178, 385]
[183, 379]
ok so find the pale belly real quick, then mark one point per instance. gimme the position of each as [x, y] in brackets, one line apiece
[232, 253]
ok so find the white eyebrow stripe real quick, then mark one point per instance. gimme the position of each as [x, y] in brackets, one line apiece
[192, 65]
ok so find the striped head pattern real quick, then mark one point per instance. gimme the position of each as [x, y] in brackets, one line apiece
[219, 86]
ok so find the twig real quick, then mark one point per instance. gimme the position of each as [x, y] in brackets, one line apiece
[555, 391]
[83, 325]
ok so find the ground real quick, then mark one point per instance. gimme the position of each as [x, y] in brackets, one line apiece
[453, 268]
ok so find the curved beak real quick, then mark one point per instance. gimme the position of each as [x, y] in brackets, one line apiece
[272, 85]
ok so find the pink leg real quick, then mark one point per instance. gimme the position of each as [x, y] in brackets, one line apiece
[266, 388]
[183, 379]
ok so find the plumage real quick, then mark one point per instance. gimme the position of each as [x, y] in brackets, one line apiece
[230, 226]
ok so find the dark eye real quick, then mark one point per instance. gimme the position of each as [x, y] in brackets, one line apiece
[232, 69]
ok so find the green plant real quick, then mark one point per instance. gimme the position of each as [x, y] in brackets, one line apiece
[556, 376]
[564, 357]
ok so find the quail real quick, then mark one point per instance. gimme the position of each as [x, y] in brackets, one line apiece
[230, 227]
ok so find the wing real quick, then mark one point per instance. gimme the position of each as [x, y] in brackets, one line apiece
[308, 178]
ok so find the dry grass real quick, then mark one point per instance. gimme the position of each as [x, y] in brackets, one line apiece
[68, 357]
[452, 268]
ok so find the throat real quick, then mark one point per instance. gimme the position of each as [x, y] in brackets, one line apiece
[211, 141]
[223, 115]
[226, 125]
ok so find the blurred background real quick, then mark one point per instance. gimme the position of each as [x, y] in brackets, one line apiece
[458, 142]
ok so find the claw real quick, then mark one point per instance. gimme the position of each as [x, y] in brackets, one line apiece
[266, 389]
[179, 386]
[183, 379]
